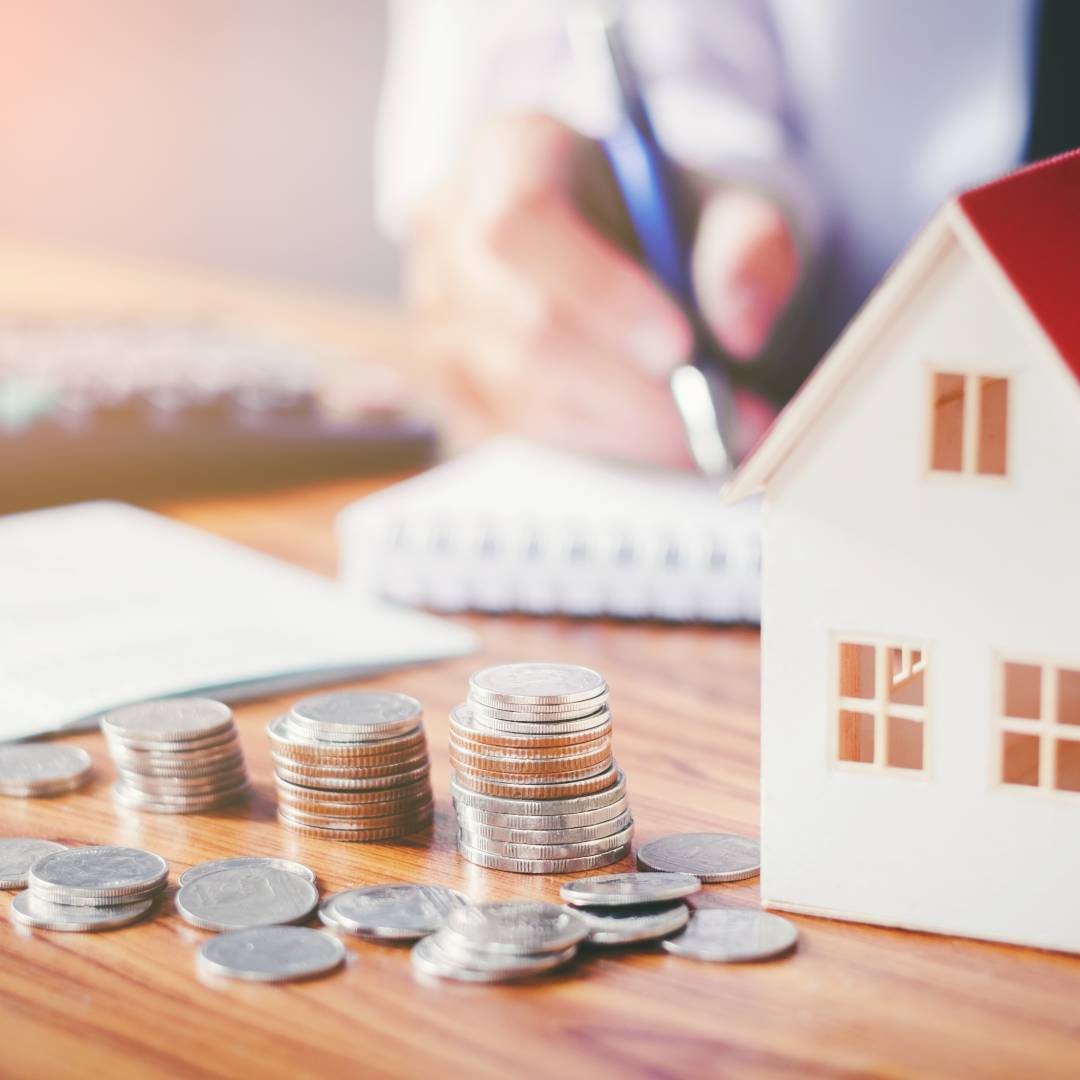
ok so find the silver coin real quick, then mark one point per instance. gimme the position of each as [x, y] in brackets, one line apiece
[169, 720]
[541, 822]
[187, 785]
[429, 958]
[499, 726]
[625, 925]
[271, 954]
[711, 857]
[354, 713]
[542, 866]
[180, 766]
[546, 837]
[465, 725]
[349, 834]
[517, 927]
[349, 783]
[246, 896]
[548, 851]
[267, 861]
[401, 793]
[28, 769]
[29, 909]
[536, 684]
[540, 714]
[132, 744]
[105, 871]
[395, 912]
[572, 804]
[618, 890]
[18, 854]
[286, 742]
[178, 804]
[733, 935]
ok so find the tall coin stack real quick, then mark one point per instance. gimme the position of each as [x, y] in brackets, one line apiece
[176, 756]
[353, 765]
[535, 787]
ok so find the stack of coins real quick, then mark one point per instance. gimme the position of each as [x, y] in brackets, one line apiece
[535, 786]
[90, 888]
[500, 942]
[353, 765]
[176, 756]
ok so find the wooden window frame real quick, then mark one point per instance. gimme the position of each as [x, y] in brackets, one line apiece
[1046, 728]
[969, 449]
[879, 706]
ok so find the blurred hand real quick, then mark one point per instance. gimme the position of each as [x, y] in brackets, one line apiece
[533, 321]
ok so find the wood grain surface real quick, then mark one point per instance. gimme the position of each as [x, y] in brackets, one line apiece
[853, 1000]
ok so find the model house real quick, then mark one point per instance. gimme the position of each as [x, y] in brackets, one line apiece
[921, 606]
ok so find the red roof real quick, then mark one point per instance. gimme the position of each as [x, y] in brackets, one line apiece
[1030, 221]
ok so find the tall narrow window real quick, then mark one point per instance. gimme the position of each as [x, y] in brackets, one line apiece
[969, 424]
[880, 705]
[1039, 725]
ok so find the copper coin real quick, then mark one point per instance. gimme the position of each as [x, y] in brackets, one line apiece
[403, 792]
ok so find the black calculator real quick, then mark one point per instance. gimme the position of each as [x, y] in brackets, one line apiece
[140, 407]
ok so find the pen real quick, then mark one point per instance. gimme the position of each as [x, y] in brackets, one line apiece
[700, 387]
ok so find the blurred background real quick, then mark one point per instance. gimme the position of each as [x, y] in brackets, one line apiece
[230, 136]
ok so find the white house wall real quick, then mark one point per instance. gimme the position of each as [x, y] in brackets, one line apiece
[861, 540]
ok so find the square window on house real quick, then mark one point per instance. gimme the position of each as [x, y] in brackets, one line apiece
[1067, 765]
[905, 743]
[969, 424]
[1020, 759]
[1023, 691]
[856, 737]
[1068, 696]
[856, 670]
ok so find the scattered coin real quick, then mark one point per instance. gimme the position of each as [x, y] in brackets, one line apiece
[352, 765]
[29, 910]
[710, 857]
[29, 770]
[618, 890]
[625, 925]
[266, 862]
[246, 896]
[430, 958]
[393, 912]
[18, 854]
[271, 954]
[176, 755]
[101, 873]
[733, 935]
[517, 928]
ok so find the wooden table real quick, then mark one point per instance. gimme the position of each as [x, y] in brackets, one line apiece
[852, 1001]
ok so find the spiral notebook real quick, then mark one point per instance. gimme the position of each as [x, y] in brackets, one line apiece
[518, 527]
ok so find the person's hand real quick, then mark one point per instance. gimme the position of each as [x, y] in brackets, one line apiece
[533, 321]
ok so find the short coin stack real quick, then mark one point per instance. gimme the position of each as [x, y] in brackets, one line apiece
[32, 770]
[90, 888]
[353, 765]
[535, 786]
[176, 756]
[500, 942]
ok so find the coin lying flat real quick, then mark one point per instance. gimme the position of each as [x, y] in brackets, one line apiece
[18, 854]
[294, 747]
[271, 954]
[430, 958]
[29, 910]
[245, 897]
[625, 925]
[393, 912]
[105, 872]
[542, 822]
[352, 715]
[536, 684]
[733, 935]
[169, 720]
[541, 866]
[544, 837]
[258, 861]
[40, 769]
[465, 727]
[517, 927]
[510, 805]
[711, 857]
[618, 890]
